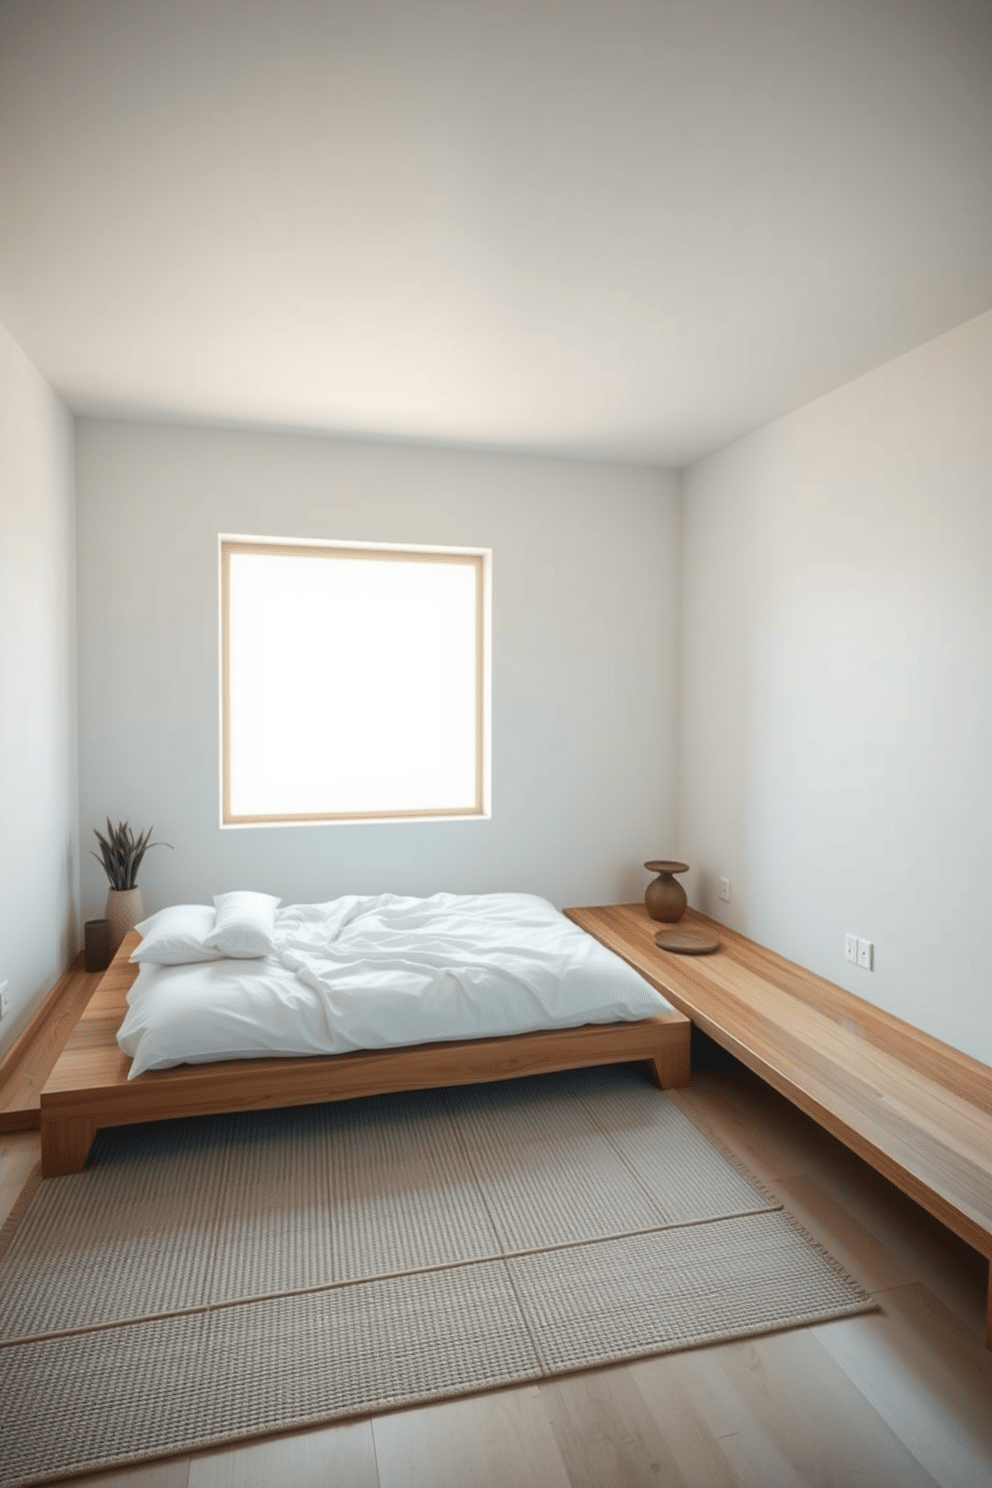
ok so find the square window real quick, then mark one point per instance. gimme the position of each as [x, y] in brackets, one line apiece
[353, 682]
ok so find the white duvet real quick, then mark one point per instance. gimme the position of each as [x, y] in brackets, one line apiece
[373, 973]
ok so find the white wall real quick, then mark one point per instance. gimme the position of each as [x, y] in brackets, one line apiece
[837, 684]
[39, 860]
[585, 658]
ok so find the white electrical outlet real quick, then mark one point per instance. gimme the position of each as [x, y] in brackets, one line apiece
[4, 1004]
[866, 954]
[851, 948]
[723, 889]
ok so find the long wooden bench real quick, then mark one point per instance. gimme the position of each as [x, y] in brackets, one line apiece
[914, 1108]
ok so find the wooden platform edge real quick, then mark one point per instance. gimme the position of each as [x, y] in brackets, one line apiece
[912, 1045]
[919, 1053]
[39, 1043]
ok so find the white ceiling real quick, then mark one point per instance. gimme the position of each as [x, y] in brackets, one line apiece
[617, 228]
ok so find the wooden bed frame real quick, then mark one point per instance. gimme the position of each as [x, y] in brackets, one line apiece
[89, 1088]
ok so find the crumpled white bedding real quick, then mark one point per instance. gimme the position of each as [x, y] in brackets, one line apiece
[384, 971]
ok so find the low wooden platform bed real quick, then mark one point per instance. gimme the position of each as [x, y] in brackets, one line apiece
[89, 1086]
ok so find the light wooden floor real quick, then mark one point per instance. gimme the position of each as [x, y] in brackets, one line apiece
[902, 1397]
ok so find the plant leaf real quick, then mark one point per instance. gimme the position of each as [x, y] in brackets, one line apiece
[121, 852]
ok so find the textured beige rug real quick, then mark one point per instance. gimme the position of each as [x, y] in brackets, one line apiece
[215, 1279]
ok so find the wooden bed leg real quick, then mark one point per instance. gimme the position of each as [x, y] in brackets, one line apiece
[988, 1313]
[670, 1066]
[65, 1145]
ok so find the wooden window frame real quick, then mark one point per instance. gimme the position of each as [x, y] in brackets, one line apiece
[477, 558]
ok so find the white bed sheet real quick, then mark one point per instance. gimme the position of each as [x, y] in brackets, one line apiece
[381, 972]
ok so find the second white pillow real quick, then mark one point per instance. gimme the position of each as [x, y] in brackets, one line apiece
[245, 924]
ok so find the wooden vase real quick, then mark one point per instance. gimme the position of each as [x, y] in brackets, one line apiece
[664, 898]
[124, 910]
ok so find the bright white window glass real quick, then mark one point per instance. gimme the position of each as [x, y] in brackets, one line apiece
[353, 683]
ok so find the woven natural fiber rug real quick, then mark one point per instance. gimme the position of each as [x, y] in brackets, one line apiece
[210, 1280]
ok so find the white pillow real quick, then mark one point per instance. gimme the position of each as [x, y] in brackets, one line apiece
[245, 924]
[177, 936]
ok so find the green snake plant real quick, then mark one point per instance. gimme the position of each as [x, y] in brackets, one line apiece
[121, 853]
